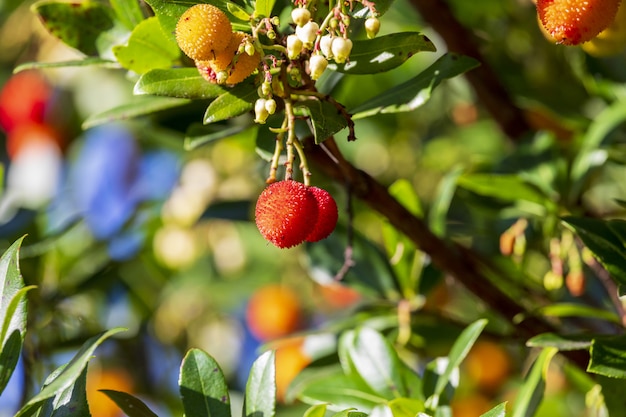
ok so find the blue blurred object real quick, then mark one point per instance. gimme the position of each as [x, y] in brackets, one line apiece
[11, 397]
[250, 350]
[158, 174]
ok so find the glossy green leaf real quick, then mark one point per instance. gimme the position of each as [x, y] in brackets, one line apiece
[263, 8]
[458, 352]
[530, 394]
[237, 11]
[128, 12]
[260, 398]
[613, 396]
[598, 236]
[415, 92]
[498, 411]
[239, 100]
[578, 310]
[383, 53]
[406, 407]
[199, 135]
[87, 62]
[138, 106]
[608, 357]
[325, 117]
[371, 272]
[13, 311]
[377, 362]
[502, 186]
[67, 375]
[561, 342]
[9, 356]
[317, 410]
[350, 412]
[129, 404]
[88, 26]
[147, 48]
[202, 386]
[168, 12]
[340, 392]
[177, 82]
[69, 402]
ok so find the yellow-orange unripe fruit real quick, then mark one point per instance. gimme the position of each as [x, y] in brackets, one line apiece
[242, 64]
[572, 22]
[203, 31]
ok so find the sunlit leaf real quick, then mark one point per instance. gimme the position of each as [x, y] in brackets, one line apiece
[318, 410]
[263, 8]
[406, 407]
[177, 82]
[325, 117]
[530, 394]
[383, 53]
[202, 386]
[239, 100]
[129, 404]
[578, 310]
[498, 411]
[147, 48]
[351, 412]
[69, 402]
[128, 12]
[260, 400]
[561, 342]
[416, 91]
[608, 357]
[503, 186]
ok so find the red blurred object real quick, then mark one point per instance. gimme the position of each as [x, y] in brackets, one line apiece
[23, 99]
[29, 134]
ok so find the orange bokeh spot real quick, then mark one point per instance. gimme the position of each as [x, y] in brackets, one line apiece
[488, 365]
[114, 379]
[31, 134]
[470, 406]
[272, 312]
[336, 295]
[290, 360]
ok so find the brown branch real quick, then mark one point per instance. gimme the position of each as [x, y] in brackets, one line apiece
[483, 79]
[464, 265]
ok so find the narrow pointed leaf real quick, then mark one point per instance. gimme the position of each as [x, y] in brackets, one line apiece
[202, 386]
[68, 375]
[406, 407]
[351, 412]
[498, 411]
[9, 356]
[69, 402]
[128, 12]
[530, 394]
[562, 343]
[177, 82]
[383, 53]
[416, 91]
[129, 404]
[260, 398]
[263, 8]
[89, 61]
[318, 410]
[505, 187]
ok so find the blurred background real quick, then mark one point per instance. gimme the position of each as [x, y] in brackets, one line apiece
[125, 227]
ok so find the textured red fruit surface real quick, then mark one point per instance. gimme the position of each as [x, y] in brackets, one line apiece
[327, 215]
[572, 22]
[23, 99]
[286, 213]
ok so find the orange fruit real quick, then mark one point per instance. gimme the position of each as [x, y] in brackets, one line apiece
[290, 360]
[470, 406]
[203, 31]
[239, 65]
[115, 379]
[272, 312]
[488, 365]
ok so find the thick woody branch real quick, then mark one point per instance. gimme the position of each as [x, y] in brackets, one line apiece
[483, 79]
[464, 265]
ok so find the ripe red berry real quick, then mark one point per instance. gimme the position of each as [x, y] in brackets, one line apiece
[286, 213]
[327, 215]
[572, 22]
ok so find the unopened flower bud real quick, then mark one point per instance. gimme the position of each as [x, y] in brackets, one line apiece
[294, 46]
[266, 89]
[372, 26]
[341, 48]
[334, 23]
[249, 48]
[300, 16]
[260, 112]
[325, 45]
[317, 66]
[308, 33]
[275, 20]
[271, 34]
[221, 77]
[270, 106]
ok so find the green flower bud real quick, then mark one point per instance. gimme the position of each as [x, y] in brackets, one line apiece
[372, 26]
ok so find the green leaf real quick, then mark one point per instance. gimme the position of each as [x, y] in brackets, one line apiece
[148, 48]
[458, 352]
[69, 402]
[138, 106]
[325, 117]
[613, 395]
[383, 53]
[381, 7]
[600, 238]
[406, 407]
[129, 404]
[177, 82]
[233, 103]
[202, 386]
[89, 61]
[350, 412]
[377, 362]
[260, 400]
[128, 12]
[9, 356]
[199, 135]
[498, 411]
[608, 357]
[531, 392]
[438, 214]
[67, 375]
[415, 92]
[263, 8]
[339, 391]
[578, 310]
[561, 342]
[318, 410]
[88, 26]
[238, 12]
[509, 187]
